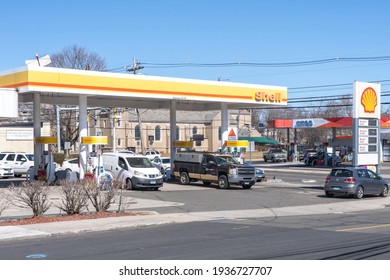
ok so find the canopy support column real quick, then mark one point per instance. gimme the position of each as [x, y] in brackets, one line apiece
[83, 131]
[37, 132]
[172, 125]
[224, 125]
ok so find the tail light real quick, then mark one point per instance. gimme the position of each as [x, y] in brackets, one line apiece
[327, 179]
[350, 180]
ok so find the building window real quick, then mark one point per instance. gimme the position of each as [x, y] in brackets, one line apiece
[119, 123]
[119, 142]
[219, 133]
[177, 133]
[194, 130]
[137, 132]
[157, 133]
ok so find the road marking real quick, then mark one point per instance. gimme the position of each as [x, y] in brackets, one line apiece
[308, 181]
[363, 228]
[36, 256]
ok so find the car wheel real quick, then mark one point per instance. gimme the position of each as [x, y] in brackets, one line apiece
[223, 182]
[359, 192]
[328, 194]
[247, 187]
[184, 178]
[385, 191]
[129, 184]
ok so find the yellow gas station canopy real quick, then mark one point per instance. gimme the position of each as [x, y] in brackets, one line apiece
[63, 86]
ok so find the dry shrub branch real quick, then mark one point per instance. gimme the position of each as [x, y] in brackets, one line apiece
[4, 202]
[33, 195]
[74, 197]
[101, 199]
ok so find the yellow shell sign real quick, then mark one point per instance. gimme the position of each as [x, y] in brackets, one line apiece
[366, 100]
[97, 140]
[369, 100]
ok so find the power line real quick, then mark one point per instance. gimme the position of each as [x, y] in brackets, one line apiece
[270, 64]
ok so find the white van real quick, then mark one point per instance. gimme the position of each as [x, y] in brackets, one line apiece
[135, 170]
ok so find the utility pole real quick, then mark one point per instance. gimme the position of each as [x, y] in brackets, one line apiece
[134, 67]
[140, 130]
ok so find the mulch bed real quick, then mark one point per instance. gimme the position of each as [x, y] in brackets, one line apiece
[61, 218]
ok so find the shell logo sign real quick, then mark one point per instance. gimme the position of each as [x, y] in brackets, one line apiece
[366, 100]
[369, 100]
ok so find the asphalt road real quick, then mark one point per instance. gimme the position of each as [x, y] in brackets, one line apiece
[298, 238]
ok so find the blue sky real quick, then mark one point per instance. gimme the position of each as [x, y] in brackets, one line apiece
[202, 31]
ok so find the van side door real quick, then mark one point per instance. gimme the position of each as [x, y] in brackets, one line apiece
[121, 169]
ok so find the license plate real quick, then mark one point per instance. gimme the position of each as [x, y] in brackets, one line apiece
[246, 183]
[153, 182]
[336, 188]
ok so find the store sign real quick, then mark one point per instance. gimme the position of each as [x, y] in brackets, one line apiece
[366, 100]
[309, 123]
[366, 115]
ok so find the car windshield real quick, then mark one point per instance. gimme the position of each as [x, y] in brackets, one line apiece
[139, 162]
[341, 173]
[166, 160]
[225, 160]
[30, 157]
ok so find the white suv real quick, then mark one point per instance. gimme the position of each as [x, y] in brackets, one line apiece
[152, 154]
[19, 162]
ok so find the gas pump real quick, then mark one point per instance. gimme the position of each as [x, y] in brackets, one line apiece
[95, 160]
[46, 167]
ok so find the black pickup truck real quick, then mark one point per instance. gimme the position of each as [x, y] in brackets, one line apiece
[212, 168]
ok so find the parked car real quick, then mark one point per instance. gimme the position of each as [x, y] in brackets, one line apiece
[6, 171]
[71, 165]
[162, 163]
[260, 174]
[306, 153]
[19, 162]
[275, 155]
[356, 182]
[152, 154]
[321, 160]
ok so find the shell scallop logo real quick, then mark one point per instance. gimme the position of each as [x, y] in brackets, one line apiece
[369, 100]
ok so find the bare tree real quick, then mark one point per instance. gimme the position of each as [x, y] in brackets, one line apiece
[76, 57]
[73, 57]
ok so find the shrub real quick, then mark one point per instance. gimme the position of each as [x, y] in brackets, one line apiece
[74, 197]
[4, 202]
[59, 158]
[32, 194]
[101, 199]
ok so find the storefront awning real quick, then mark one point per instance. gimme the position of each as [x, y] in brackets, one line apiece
[259, 140]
